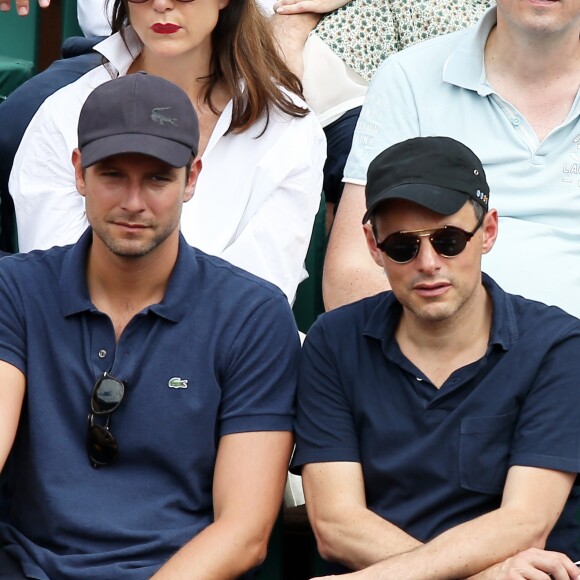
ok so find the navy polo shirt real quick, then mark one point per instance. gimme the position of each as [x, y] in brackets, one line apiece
[225, 337]
[434, 458]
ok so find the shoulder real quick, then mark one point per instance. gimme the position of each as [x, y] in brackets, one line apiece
[348, 323]
[433, 52]
[281, 121]
[537, 320]
[241, 284]
[33, 270]
[529, 322]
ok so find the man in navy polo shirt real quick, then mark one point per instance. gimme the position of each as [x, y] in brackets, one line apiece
[146, 388]
[437, 425]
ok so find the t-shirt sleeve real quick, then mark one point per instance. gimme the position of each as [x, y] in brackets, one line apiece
[547, 432]
[388, 116]
[325, 427]
[12, 326]
[259, 386]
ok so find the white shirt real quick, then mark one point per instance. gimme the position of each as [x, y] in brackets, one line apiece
[255, 198]
[439, 87]
[93, 17]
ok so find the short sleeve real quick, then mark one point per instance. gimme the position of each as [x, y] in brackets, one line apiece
[12, 326]
[325, 428]
[259, 386]
[547, 433]
[388, 116]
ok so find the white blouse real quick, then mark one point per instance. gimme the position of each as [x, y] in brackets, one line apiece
[255, 199]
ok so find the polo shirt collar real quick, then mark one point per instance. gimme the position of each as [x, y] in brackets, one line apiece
[465, 66]
[383, 319]
[74, 290]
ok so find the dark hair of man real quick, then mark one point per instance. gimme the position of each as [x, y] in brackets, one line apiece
[243, 50]
[477, 208]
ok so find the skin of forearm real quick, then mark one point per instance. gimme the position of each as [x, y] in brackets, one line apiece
[223, 551]
[349, 271]
[357, 538]
[291, 32]
[470, 548]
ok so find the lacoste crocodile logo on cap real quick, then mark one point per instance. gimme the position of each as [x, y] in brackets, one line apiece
[177, 383]
[157, 116]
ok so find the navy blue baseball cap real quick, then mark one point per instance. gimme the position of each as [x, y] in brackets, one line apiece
[138, 113]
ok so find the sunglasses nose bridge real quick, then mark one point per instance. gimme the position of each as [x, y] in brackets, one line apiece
[427, 256]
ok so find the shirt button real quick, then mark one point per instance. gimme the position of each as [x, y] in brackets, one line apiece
[102, 353]
[516, 121]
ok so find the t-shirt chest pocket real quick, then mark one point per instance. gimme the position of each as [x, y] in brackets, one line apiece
[484, 451]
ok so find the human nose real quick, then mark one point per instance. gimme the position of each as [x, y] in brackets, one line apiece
[162, 5]
[427, 260]
[133, 199]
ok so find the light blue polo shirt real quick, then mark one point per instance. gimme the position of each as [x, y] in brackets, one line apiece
[439, 87]
[216, 356]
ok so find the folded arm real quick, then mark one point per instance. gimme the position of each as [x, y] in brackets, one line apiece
[248, 485]
[532, 564]
[346, 530]
[533, 500]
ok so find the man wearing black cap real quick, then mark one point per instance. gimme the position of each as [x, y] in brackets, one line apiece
[437, 428]
[146, 396]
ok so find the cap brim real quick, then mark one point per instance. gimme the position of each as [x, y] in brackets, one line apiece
[438, 199]
[168, 151]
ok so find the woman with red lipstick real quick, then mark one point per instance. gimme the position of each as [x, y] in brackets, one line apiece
[262, 151]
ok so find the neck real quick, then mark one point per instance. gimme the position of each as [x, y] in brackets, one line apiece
[172, 69]
[118, 283]
[439, 348]
[535, 58]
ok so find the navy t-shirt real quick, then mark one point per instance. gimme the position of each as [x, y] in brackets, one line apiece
[217, 355]
[435, 458]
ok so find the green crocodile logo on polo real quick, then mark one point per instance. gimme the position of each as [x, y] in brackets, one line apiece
[158, 116]
[177, 383]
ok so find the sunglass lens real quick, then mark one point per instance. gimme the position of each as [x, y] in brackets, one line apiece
[449, 241]
[102, 446]
[107, 395]
[401, 247]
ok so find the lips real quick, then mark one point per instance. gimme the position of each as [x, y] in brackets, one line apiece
[162, 28]
[131, 227]
[432, 290]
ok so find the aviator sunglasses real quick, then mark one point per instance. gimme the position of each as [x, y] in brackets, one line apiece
[448, 241]
[106, 397]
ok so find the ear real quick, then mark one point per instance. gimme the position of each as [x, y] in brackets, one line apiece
[376, 254]
[79, 177]
[490, 229]
[192, 179]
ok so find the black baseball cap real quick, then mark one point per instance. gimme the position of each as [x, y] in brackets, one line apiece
[138, 113]
[438, 173]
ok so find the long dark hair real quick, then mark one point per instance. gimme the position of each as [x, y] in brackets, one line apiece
[243, 50]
